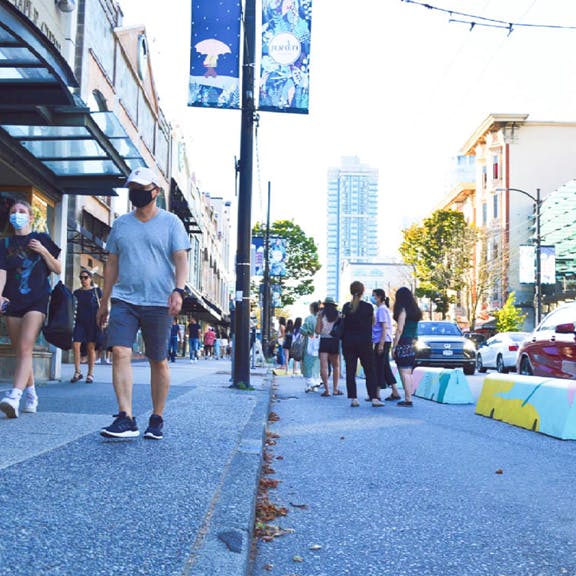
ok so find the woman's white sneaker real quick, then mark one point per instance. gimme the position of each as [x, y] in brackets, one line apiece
[9, 405]
[30, 405]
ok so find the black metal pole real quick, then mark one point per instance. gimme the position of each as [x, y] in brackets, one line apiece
[241, 376]
[266, 282]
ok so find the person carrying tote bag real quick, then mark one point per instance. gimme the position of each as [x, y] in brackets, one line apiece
[311, 359]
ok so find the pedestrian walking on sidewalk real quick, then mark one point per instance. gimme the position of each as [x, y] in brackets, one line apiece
[329, 346]
[143, 289]
[311, 359]
[85, 327]
[174, 339]
[287, 344]
[209, 338]
[382, 340]
[27, 259]
[358, 318]
[194, 332]
[407, 314]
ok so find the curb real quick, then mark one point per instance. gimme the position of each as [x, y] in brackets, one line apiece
[224, 543]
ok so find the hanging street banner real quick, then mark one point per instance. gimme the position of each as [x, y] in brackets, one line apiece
[284, 77]
[215, 54]
[276, 258]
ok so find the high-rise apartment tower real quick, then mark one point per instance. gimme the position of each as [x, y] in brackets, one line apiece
[352, 218]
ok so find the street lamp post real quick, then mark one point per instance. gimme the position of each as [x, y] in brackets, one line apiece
[538, 278]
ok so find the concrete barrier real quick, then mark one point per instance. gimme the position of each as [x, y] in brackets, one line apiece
[545, 405]
[444, 385]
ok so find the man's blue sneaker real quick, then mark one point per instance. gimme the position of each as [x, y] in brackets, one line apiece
[122, 427]
[154, 430]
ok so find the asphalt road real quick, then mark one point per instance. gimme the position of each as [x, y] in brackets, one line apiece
[429, 491]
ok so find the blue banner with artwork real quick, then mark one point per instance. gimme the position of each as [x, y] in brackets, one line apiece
[285, 68]
[215, 54]
[276, 258]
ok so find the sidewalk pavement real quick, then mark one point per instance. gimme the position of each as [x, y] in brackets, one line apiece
[432, 490]
[74, 503]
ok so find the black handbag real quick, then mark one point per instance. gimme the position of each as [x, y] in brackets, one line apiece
[59, 324]
[338, 328]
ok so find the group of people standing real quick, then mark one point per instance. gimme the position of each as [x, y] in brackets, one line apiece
[364, 333]
[288, 332]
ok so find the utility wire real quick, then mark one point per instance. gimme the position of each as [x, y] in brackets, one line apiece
[474, 20]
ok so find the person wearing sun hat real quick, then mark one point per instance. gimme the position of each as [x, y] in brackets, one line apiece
[329, 346]
[144, 284]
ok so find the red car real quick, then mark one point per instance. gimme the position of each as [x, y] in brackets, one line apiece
[551, 348]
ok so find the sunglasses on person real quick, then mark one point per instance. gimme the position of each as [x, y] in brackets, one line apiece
[84, 277]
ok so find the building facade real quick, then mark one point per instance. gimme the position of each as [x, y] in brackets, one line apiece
[513, 157]
[78, 111]
[352, 230]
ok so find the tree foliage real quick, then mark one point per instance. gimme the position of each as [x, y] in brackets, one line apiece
[441, 252]
[509, 318]
[302, 261]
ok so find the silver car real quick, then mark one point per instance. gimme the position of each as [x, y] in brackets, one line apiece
[500, 351]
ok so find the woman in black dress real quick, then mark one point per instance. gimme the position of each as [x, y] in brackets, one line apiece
[85, 326]
[358, 317]
[26, 261]
[287, 344]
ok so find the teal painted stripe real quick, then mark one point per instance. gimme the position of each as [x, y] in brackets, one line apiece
[530, 395]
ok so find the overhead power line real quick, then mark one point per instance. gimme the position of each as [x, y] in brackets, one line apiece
[474, 20]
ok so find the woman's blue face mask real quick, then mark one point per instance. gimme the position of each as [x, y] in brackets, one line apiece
[374, 300]
[19, 220]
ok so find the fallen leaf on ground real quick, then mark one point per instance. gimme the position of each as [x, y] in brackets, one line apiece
[315, 547]
[499, 471]
[266, 483]
[297, 558]
[268, 567]
[301, 506]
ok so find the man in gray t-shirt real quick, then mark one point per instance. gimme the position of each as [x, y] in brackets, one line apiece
[144, 281]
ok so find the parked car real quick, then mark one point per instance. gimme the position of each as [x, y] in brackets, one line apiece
[476, 337]
[443, 344]
[551, 349]
[500, 351]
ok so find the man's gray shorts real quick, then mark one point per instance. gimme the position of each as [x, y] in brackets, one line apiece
[155, 322]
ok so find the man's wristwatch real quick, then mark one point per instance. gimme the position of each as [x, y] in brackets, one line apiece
[181, 292]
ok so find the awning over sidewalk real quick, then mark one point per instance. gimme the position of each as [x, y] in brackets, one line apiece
[200, 307]
[47, 132]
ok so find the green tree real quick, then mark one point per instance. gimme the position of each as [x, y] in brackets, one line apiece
[441, 252]
[302, 261]
[509, 318]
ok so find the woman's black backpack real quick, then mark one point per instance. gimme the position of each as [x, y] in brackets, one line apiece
[59, 323]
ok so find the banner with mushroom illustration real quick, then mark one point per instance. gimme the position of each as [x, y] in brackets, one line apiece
[215, 54]
[284, 77]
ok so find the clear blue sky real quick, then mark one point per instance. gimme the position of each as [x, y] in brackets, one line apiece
[393, 83]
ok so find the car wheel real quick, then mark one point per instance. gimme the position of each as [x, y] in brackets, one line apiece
[479, 365]
[526, 367]
[469, 369]
[500, 365]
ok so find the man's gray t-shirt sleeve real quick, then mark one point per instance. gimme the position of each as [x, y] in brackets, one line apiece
[146, 273]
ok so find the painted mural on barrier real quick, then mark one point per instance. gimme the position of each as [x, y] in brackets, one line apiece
[545, 405]
[447, 386]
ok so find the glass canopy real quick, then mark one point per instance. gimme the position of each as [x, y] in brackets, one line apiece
[87, 152]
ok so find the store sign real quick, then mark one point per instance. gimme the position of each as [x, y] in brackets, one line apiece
[45, 16]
